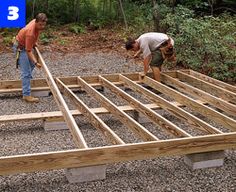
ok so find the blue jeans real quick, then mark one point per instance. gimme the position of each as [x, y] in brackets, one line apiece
[26, 68]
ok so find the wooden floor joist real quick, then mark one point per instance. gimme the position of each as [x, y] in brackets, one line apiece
[194, 98]
[188, 89]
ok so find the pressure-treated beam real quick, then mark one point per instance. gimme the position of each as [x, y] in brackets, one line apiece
[58, 115]
[76, 133]
[213, 81]
[207, 87]
[114, 154]
[169, 106]
[91, 116]
[12, 86]
[122, 116]
[155, 117]
[227, 122]
[197, 93]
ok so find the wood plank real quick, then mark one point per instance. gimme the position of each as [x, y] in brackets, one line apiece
[70, 121]
[90, 115]
[122, 116]
[213, 81]
[227, 122]
[199, 94]
[155, 117]
[58, 115]
[114, 154]
[208, 87]
[169, 106]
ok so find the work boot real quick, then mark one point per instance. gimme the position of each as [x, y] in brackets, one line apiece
[31, 99]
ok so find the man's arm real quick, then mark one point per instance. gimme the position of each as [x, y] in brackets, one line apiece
[146, 63]
[137, 53]
[32, 58]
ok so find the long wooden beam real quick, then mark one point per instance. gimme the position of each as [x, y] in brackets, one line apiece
[12, 86]
[122, 116]
[213, 81]
[169, 106]
[70, 121]
[57, 114]
[188, 89]
[224, 120]
[155, 117]
[207, 87]
[90, 115]
[114, 154]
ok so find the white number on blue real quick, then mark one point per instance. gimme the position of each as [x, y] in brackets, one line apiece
[13, 13]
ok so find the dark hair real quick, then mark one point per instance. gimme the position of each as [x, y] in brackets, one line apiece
[129, 43]
[41, 17]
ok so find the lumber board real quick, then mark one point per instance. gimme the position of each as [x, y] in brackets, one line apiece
[155, 117]
[114, 154]
[208, 87]
[70, 121]
[91, 116]
[222, 119]
[171, 107]
[57, 115]
[213, 81]
[229, 108]
[121, 115]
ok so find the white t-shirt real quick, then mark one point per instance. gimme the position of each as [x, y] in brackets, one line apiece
[149, 42]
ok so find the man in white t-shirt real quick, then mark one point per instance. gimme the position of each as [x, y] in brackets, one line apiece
[156, 48]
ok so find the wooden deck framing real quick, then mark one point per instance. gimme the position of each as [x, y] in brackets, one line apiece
[188, 90]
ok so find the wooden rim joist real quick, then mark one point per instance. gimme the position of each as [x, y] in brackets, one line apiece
[187, 89]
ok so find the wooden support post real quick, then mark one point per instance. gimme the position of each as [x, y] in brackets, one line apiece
[123, 117]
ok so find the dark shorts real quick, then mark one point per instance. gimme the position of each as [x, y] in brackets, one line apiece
[157, 59]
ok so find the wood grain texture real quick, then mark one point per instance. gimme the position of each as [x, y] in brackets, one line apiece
[171, 107]
[199, 94]
[114, 154]
[90, 115]
[122, 116]
[224, 120]
[210, 88]
[70, 121]
[155, 117]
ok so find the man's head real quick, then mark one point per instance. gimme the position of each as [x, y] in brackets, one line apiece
[131, 44]
[41, 21]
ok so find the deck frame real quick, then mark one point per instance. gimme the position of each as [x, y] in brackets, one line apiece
[151, 146]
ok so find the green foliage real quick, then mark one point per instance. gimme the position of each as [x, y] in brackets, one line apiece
[205, 44]
[75, 28]
[46, 37]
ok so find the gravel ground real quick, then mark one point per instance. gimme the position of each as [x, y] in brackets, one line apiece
[160, 174]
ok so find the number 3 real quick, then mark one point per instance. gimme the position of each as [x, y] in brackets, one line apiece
[13, 13]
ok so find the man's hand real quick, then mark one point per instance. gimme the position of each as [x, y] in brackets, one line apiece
[142, 75]
[136, 55]
[38, 65]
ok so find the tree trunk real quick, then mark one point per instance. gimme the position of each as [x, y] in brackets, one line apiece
[33, 9]
[156, 16]
[77, 10]
[123, 13]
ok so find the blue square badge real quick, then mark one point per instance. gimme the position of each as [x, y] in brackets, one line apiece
[12, 13]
